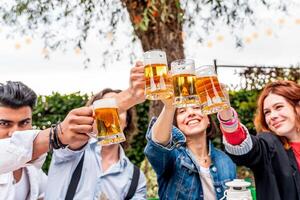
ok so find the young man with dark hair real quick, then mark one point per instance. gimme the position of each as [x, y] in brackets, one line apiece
[22, 150]
[16, 104]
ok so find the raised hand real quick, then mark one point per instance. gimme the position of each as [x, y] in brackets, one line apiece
[137, 82]
[75, 127]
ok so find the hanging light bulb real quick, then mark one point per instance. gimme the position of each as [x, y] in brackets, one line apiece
[183, 35]
[255, 35]
[17, 45]
[77, 50]
[269, 32]
[281, 21]
[220, 38]
[45, 51]
[109, 36]
[248, 40]
[209, 44]
[28, 40]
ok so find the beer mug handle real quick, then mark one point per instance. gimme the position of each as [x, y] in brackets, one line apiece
[92, 135]
[225, 195]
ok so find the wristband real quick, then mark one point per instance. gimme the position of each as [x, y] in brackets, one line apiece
[231, 122]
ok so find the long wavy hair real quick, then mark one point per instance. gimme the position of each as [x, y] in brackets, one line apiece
[290, 91]
[130, 130]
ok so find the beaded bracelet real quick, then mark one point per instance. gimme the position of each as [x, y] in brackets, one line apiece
[54, 141]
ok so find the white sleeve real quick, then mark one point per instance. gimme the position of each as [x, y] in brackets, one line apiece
[17, 150]
[42, 184]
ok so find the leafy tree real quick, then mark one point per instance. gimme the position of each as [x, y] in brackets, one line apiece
[158, 24]
[257, 77]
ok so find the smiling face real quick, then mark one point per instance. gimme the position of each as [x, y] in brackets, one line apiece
[14, 120]
[191, 121]
[280, 116]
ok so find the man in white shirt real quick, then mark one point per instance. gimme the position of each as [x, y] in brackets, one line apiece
[16, 104]
[22, 150]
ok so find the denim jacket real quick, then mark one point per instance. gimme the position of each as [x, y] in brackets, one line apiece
[178, 173]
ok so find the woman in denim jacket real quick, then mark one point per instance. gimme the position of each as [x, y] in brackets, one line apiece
[186, 163]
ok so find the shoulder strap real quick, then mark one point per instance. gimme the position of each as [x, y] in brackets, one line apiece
[74, 180]
[134, 183]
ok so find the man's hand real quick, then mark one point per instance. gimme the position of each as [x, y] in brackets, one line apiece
[137, 82]
[75, 127]
[135, 94]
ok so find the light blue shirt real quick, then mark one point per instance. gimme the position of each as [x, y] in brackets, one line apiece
[114, 183]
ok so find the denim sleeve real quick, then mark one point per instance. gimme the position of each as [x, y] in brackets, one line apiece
[161, 157]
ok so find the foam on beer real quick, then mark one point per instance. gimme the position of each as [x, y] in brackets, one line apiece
[105, 103]
[155, 57]
[205, 70]
[184, 66]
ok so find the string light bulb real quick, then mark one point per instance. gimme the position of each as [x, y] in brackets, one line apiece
[209, 44]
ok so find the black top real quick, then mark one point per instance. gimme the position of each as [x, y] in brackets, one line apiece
[275, 169]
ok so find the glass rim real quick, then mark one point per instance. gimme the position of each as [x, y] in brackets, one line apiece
[183, 59]
[183, 66]
[207, 66]
[155, 51]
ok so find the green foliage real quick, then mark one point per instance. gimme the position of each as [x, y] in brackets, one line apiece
[244, 102]
[136, 152]
[51, 109]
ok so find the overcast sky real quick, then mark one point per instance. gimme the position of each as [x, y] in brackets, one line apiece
[274, 41]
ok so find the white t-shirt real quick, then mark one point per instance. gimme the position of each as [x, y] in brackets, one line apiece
[207, 184]
[22, 187]
[16, 152]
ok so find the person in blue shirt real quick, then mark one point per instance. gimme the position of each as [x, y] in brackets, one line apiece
[181, 153]
[106, 171]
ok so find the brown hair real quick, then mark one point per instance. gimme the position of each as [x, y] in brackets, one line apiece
[290, 91]
[211, 130]
[130, 130]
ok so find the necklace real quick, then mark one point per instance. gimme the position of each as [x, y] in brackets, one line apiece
[204, 159]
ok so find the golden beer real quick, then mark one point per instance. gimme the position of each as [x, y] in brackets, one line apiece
[211, 95]
[108, 122]
[184, 78]
[158, 84]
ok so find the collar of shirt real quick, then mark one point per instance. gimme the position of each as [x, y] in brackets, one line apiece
[115, 168]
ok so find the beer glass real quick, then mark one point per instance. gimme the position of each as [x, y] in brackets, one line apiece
[212, 97]
[158, 83]
[108, 122]
[184, 78]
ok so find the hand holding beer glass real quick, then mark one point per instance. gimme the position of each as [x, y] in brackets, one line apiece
[212, 97]
[184, 78]
[108, 122]
[158, 84]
